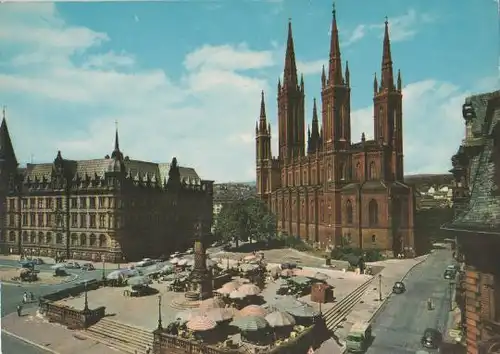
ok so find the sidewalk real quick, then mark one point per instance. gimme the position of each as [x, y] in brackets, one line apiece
[51, 337]
[394, 270]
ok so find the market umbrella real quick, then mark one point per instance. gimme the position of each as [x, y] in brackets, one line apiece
[243, 281]
[224, 291]
[320, 276]
[201, 323]
[211, 303]
[247, 267]
[302, 311]
[250, 323]
[286, 273]
[302, 272]
[300, 280]
[252, 310]
[235, 294]
[116, 274]
[221, 314]
[280, 319]
[186, 315]
[249, 289]
[138, 281]
[231, 286]
[174, 260]
[167, 268]
[183, 262]
[283, 303]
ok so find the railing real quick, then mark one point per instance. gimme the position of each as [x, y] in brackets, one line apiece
[72, 318]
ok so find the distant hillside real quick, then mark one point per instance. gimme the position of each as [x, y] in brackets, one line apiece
[427, 180]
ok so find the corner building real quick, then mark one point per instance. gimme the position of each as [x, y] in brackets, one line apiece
[114, 208]
[336, 192]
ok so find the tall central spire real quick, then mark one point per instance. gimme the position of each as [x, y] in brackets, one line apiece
[117, 154]
[290, 78]
[387, 77]
[335, 69]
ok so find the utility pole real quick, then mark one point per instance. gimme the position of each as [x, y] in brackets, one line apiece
[380, 287]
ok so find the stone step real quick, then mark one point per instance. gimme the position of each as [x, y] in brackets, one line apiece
[121, 336]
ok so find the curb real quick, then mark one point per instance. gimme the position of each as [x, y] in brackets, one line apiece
[383, 303]
[44, 348]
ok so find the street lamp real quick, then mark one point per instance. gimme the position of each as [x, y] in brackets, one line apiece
[380, 287]
[86, 305]
[103, 268]
[159, 313]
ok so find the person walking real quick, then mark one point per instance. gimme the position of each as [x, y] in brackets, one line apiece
[25, 297]
[19, 310]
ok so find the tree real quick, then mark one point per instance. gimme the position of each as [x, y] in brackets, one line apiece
[245, 219]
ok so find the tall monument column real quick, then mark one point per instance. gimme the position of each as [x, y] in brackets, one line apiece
[201, 276]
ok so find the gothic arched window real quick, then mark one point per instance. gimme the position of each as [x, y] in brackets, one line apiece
[357, 173]
[342, 171]
[373, 213]
[349, 213]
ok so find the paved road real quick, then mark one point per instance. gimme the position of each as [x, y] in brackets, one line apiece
[12, 295]
[400, 324]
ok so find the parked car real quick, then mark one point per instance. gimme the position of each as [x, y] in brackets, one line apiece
[450, 274]
[88, 266]
[27, 264]
[398, 287]
[145, 262]
[38, 261]
[431, 338]
[72, 265]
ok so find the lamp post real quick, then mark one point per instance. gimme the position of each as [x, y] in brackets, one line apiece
[380, 287]
[103, 268]
[86, 305]
[159, 313]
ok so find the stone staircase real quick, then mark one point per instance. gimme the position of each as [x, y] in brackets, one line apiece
[119, 336]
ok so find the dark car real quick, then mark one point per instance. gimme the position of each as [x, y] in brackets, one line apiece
[38, 261]
[432, 338]
[88, 266]
[449, 274]
[398, 288]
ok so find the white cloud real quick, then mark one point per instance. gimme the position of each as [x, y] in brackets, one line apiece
[136, 18]
[405, 26]
[357, 34]
[62, 78]
[310, 67]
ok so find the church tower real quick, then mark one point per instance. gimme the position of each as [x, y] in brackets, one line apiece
[388, 114]
[291, 115]
[263, 153]
[336, 97]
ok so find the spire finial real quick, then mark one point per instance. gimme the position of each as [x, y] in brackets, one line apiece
[386, 20]
[3, 111]
[116, 124]
[333, 9]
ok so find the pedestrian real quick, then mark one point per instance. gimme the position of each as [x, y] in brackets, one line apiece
[19, 309]
[25, 297]
[32, 296]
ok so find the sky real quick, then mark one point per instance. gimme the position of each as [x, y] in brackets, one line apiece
[184, 78]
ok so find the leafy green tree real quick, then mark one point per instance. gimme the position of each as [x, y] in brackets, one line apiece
[246, 219]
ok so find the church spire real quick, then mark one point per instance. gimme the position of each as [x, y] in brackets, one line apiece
[262, 119]
[387, 77]
[6, 148]
[290, 73]
[335, 69]
[117, 154]
[314, 138]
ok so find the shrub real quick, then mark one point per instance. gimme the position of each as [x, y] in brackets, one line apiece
[295, 243]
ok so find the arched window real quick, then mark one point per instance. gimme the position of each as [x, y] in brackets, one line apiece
[40, 238]
[342, 171]
[25, 236]
[373, 213]
[329, 172]
[33, 237]
[74, 240]
[12, 236]
[83, 240]
[102, 241]
[48, 238]
[374, 238]
[59, 238]
[93, 240]
[358, 171]
[372, 171]
[348, 208]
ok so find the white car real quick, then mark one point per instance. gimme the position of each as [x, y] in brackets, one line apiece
[72, 265]
[145, 262]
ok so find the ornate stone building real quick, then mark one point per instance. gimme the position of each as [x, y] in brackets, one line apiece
[115, 207]
[476, 222]
[337, 192]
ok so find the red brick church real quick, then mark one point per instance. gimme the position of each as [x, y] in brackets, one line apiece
[336, 192]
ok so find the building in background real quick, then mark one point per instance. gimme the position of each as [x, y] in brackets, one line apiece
[336, 192]
[113, 208]
[476, 222]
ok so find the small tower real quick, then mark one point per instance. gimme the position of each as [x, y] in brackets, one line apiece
[263, 151]
[117, 163]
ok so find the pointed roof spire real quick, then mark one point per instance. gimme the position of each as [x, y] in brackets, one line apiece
[347, 74]
[323, 76]
[335, 69]
[290, 73]
[315, 121]
[400, 82]
[116, 154]
[6, 148]
[375, 84]
[387, 77]
[262, 106]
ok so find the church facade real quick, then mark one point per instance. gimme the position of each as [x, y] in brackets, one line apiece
[332, 191]
[114, 209]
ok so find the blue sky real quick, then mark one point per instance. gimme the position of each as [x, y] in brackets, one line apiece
[184, 78]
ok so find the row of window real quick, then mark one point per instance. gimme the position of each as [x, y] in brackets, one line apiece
[373, 214]
[342, 174]
[59, 239]
[81, 220]
[75, 202]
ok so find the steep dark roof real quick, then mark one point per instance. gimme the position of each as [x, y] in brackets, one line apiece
[6, 149]
[483, 211]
